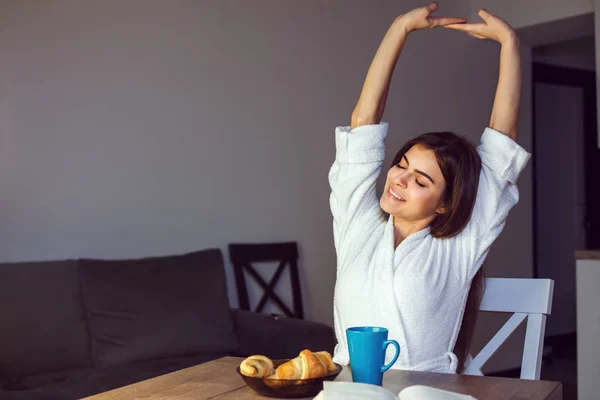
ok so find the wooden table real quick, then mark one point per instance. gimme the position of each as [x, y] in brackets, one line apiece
[587, 255]
[219, 380]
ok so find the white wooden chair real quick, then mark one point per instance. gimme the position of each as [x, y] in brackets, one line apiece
[529, 299]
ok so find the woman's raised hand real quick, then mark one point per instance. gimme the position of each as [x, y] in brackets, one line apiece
[493, 28]
[420, 18]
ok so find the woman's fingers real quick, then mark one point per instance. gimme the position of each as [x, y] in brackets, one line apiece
[477, 30]
[494, 28]
[431, 7]
[490, 18]
[478, 36]
[485, 15]
[469, 28]
[441, 21]
[444, 21]
[421, 18]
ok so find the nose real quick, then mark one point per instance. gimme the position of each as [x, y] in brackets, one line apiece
[402, 179]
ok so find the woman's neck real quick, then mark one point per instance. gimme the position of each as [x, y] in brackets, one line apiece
[403, 229]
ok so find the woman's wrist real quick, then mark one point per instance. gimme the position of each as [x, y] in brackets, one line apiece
[400, 25]
[511, 40]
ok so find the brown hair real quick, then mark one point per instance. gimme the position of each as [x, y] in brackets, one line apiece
[461, 166]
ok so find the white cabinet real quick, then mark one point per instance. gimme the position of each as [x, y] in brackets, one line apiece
[588, 324]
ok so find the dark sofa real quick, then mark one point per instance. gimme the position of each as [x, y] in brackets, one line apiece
[75, 328]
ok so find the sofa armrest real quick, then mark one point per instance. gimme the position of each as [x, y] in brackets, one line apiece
[280, 337]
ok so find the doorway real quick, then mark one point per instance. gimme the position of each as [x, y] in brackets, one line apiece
[565, 167]
[565, 163]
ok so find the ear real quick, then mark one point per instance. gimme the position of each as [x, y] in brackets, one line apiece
[441, 210]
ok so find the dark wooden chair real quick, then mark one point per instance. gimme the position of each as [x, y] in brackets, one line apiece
[243, 255]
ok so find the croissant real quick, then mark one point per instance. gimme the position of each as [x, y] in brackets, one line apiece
[257, 366]
[306, 366]
[325, 358]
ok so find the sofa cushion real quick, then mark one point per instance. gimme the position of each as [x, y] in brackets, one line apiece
[43, 326]
[157, 307]
[261, 334]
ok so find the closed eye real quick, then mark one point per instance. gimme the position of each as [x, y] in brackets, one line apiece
[419, 172]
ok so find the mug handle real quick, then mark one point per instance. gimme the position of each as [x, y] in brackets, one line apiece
[397, 346]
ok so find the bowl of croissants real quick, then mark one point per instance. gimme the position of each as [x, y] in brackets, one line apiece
[302, 376]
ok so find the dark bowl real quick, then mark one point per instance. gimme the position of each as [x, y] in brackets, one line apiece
[288, 388]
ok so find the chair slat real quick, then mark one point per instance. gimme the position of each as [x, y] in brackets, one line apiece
[531, 366]
[494, 344]
[518, 295]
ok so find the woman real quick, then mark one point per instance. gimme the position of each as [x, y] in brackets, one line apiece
[447, 201]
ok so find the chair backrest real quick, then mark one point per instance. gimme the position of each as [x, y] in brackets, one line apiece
[528, 299]
[243, 255]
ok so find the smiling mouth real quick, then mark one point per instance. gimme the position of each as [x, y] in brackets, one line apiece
[395, 196]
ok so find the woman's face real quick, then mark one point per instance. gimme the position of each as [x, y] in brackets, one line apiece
[414, 188]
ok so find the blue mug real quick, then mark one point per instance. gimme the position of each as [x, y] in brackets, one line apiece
[367, 346]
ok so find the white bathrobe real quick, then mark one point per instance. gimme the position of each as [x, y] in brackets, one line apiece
[418, 291]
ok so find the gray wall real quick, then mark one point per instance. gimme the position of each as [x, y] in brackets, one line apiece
[142, 128]
[578, 53]
[522, 14]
